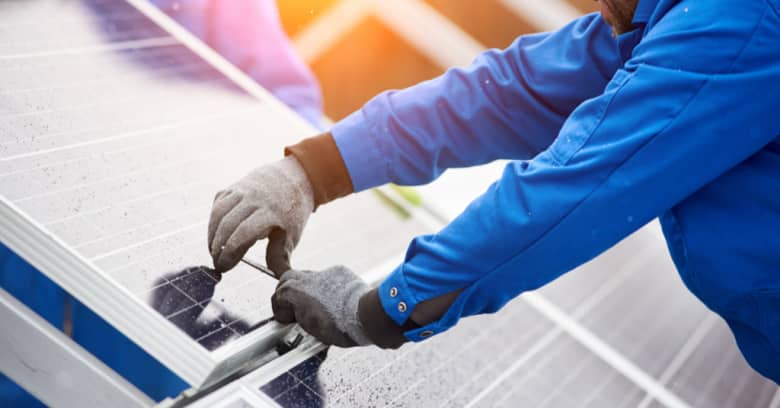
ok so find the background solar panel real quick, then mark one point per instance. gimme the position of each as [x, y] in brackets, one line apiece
[115, 137]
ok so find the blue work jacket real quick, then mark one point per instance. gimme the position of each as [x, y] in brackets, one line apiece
[677, 119]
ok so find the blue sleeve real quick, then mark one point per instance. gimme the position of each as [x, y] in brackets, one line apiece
[248, 33]
[508, 104]
[676, 117]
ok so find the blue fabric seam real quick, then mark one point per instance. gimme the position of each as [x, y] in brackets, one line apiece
[774, 7]
[602, 116]
[383, 152]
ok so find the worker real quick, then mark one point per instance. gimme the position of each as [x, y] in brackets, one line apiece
[650, 108]
[249, 34]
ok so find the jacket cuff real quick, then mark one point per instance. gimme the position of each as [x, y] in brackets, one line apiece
[379, 327]
[321, 160]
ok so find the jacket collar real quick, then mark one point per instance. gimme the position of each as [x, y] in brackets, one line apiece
[627, 41]
[644, 10]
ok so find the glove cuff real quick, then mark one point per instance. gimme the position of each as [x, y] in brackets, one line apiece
[322, 162]
[354, 328]
[378, 326]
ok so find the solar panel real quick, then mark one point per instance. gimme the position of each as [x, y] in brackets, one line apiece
[114, 138]
[716, 374]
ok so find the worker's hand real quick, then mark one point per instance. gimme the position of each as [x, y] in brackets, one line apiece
[274, 202]
[324, 303]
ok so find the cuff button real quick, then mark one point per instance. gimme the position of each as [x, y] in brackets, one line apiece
[402, 307]
[426, 334]
[393, 292]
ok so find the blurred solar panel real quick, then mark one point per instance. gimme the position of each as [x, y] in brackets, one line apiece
[114, 138]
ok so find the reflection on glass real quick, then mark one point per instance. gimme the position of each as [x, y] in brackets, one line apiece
[299, 387]
[185, 299]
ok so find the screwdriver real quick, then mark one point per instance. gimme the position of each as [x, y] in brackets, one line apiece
[284, 345]
[259, 267]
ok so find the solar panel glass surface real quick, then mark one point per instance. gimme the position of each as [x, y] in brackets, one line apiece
[114, 138]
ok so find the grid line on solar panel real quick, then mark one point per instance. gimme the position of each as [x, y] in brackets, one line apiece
[531, 376]
[715, 375]
[538, 383]
[161, 245]
[80, 24]
[154, 239]
[56, 146]
[79, 206]
[37, 146]
[65, 76]
[40, 205]
[106, 243]
[113, 47]
[633, 324]
[79, 37]
[106, 97]
[584, 308]
[471, 344]
[490, 356]
[152, 67]
[92, 81]
[716, 388]
[684, 353]
[598, 392]
[572, 379]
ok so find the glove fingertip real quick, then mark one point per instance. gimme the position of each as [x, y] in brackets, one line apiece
[277, 255]
[224, 263]
[283, 310]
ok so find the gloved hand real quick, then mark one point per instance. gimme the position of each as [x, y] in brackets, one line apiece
[324, 303]
[274, 202]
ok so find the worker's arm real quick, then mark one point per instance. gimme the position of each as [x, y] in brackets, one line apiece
[508, 104]
[679, 114]
[249, 34]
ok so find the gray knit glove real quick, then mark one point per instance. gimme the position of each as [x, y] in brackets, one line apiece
[274, 202]
[324, 303]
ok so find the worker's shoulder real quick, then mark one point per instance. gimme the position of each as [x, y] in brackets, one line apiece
[704, 36]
